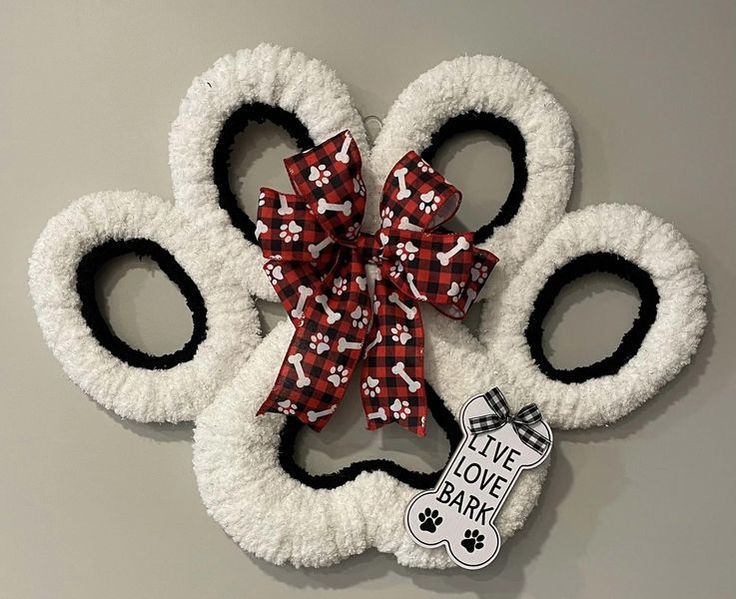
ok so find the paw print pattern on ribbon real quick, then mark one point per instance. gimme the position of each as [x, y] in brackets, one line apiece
[339, 286]
[338, 375]
[400, 333]
[428, 202]
[359, 317]
[406, 251]
[425, 168]
[320, 175]
[387, 216]
[353, 231]
[479, 272]
[400, 409]
[290, 232]
[396, 269]
[320, 343]
[273, 271]
[287, 407]
[371, 387]
[455, 290]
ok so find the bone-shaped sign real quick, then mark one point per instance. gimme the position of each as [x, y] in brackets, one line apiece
[459, 512]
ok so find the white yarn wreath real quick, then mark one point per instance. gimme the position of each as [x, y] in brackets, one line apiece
[143, 394]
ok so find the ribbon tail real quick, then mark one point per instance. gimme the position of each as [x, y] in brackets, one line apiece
[531, 438]
[393, 388]
[323, 351]
[372, 390]
[287, 397]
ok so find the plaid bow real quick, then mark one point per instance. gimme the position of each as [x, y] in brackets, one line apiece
[317, 260]
[501, 414]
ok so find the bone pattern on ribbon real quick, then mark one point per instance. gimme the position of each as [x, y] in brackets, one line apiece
[316, 262]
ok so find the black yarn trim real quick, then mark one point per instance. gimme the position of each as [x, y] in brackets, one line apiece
[506, 130]
[87, 270]
[630, 342]
[235, 124]
[418, 480]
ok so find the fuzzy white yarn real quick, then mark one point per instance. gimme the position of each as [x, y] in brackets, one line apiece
[657, 248]
[171, 395]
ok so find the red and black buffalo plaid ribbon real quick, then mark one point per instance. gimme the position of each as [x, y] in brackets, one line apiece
[317, 260]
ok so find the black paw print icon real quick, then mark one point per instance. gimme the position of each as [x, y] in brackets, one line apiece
[473, 540]
[430, 519]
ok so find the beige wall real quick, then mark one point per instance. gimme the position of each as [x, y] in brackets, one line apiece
[94, 507]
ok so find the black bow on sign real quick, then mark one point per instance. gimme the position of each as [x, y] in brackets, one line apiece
[501, 414]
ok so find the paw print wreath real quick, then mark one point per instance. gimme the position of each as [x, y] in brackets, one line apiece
[209, 248]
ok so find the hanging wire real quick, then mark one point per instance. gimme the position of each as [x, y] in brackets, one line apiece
[372, 118]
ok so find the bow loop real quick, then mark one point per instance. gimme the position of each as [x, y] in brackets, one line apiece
[288, 230]
[437, 268]
[328, 177]
[443, 269]
[416, 197]
[529, 414]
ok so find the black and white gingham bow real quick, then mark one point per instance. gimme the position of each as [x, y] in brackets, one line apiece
[501, 414]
